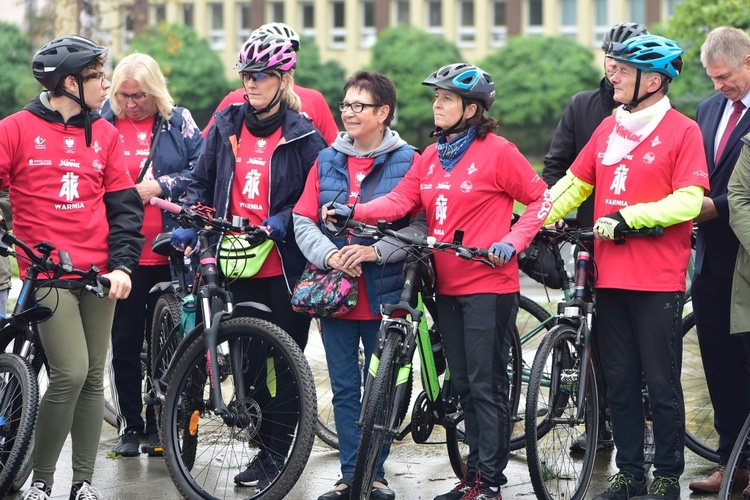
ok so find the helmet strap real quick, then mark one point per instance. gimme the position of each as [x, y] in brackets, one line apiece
[459, 126]
[637, 100]
[274, 102]
[85, 109]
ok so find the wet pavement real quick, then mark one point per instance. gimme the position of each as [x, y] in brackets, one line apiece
[414, 472]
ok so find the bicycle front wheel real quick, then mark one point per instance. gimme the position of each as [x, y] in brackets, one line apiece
[19, 403]
[269, 394]
[552, 420]
[378, 409]
[532, 322]
[700, 434]
[734, 484]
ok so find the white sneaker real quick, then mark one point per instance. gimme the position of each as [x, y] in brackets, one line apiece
[86, 492]
[38, 491]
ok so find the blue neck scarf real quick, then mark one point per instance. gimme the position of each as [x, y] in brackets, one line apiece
[449, 153]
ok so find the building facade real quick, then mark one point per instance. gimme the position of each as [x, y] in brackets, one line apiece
[345, 30]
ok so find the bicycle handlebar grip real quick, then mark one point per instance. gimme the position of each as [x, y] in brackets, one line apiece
[165, 205]
[105, 282]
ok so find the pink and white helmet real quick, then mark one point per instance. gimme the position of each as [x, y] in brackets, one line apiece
[266, 52]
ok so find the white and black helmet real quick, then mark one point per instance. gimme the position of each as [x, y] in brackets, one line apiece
[65, 55]
[466, 80]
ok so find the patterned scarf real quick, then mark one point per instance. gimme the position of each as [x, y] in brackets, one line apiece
[449, 153]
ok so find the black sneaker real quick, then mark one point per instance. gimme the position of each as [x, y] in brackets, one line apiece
[457, 492]
[664, 488]
[271, 470]
[623, 486]
[84, 491]
[154, 447]
[259, 468]
[605, 442]
[128, 444]
[482, 492]
[38, 491]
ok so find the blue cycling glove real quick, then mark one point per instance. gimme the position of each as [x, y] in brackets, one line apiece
[184, 237]
[343, 211]
[276, 228]
[503, 250]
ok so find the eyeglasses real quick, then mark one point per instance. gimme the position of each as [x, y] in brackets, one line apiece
[356, 107]
[137, 98]
[101, 76]
[256, 77]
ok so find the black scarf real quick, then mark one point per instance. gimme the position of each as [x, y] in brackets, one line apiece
[266, 126]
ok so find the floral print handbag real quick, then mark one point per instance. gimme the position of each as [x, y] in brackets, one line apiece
[324, 293]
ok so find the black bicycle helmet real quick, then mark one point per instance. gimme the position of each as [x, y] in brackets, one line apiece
[621, 32]
[66, 55]
[279, 29]
[466, 80]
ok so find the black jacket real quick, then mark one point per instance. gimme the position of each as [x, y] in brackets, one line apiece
[290, 163]
[582, 115]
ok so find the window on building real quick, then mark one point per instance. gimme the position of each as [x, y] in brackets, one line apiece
[498, 23]
[337, 38]
[466, 26]
[216, 26]
[568, 18]
[367, 33]
[276, 12]
[401, 13]
[434, 23]
[126, 26]
[601, 22]
[534, 17]
[187, 15]
[669, 7]
[637, 11]
[244, 24]
[307, 19]
[157, 14]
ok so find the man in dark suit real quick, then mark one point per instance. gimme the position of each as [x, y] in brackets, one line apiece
[726, 359]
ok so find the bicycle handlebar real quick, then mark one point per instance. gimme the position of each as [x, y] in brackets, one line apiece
[188, 217]
[587, 234]
[427, 242]
[44, 263]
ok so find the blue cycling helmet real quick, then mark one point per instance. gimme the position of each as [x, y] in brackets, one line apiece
[465, 80]
[650, 53]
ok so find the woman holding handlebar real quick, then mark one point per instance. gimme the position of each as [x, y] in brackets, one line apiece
[468, 181]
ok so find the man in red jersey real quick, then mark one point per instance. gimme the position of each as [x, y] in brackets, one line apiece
[314, 104]
[69, 185]
[648, 164]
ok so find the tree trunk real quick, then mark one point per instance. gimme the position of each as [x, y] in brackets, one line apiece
[140, 16]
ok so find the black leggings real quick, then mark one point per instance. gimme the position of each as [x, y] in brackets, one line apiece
[274, 433]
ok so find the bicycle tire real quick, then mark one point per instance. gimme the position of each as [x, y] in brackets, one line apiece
[731, 486]
[551, 419]
[41, 367]
[110, 412]
[700, 434]
[377, 413]
[18, 414]
[271, 361]
[532, 322]
[325, 425]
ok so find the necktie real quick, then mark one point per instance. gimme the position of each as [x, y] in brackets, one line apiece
[731, 124]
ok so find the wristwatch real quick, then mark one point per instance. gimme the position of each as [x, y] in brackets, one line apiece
[378, 256]
[126, 269]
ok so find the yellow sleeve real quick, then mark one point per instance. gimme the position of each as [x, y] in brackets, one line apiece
[567, 194]
[680, 206]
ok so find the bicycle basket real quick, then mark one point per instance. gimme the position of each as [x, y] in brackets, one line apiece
[542, 262]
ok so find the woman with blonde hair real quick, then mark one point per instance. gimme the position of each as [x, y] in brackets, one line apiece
[257, 157]
[162, 144]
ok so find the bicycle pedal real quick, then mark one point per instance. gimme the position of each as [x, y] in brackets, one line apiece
[152, 451]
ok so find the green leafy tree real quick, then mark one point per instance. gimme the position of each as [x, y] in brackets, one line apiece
[689, 25]
[535, 77]
[17, 85]
[408, 56]
[327, 78]
[194, 72]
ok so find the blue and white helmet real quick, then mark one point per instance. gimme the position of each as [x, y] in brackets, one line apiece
[466, 80]
[650, 53]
